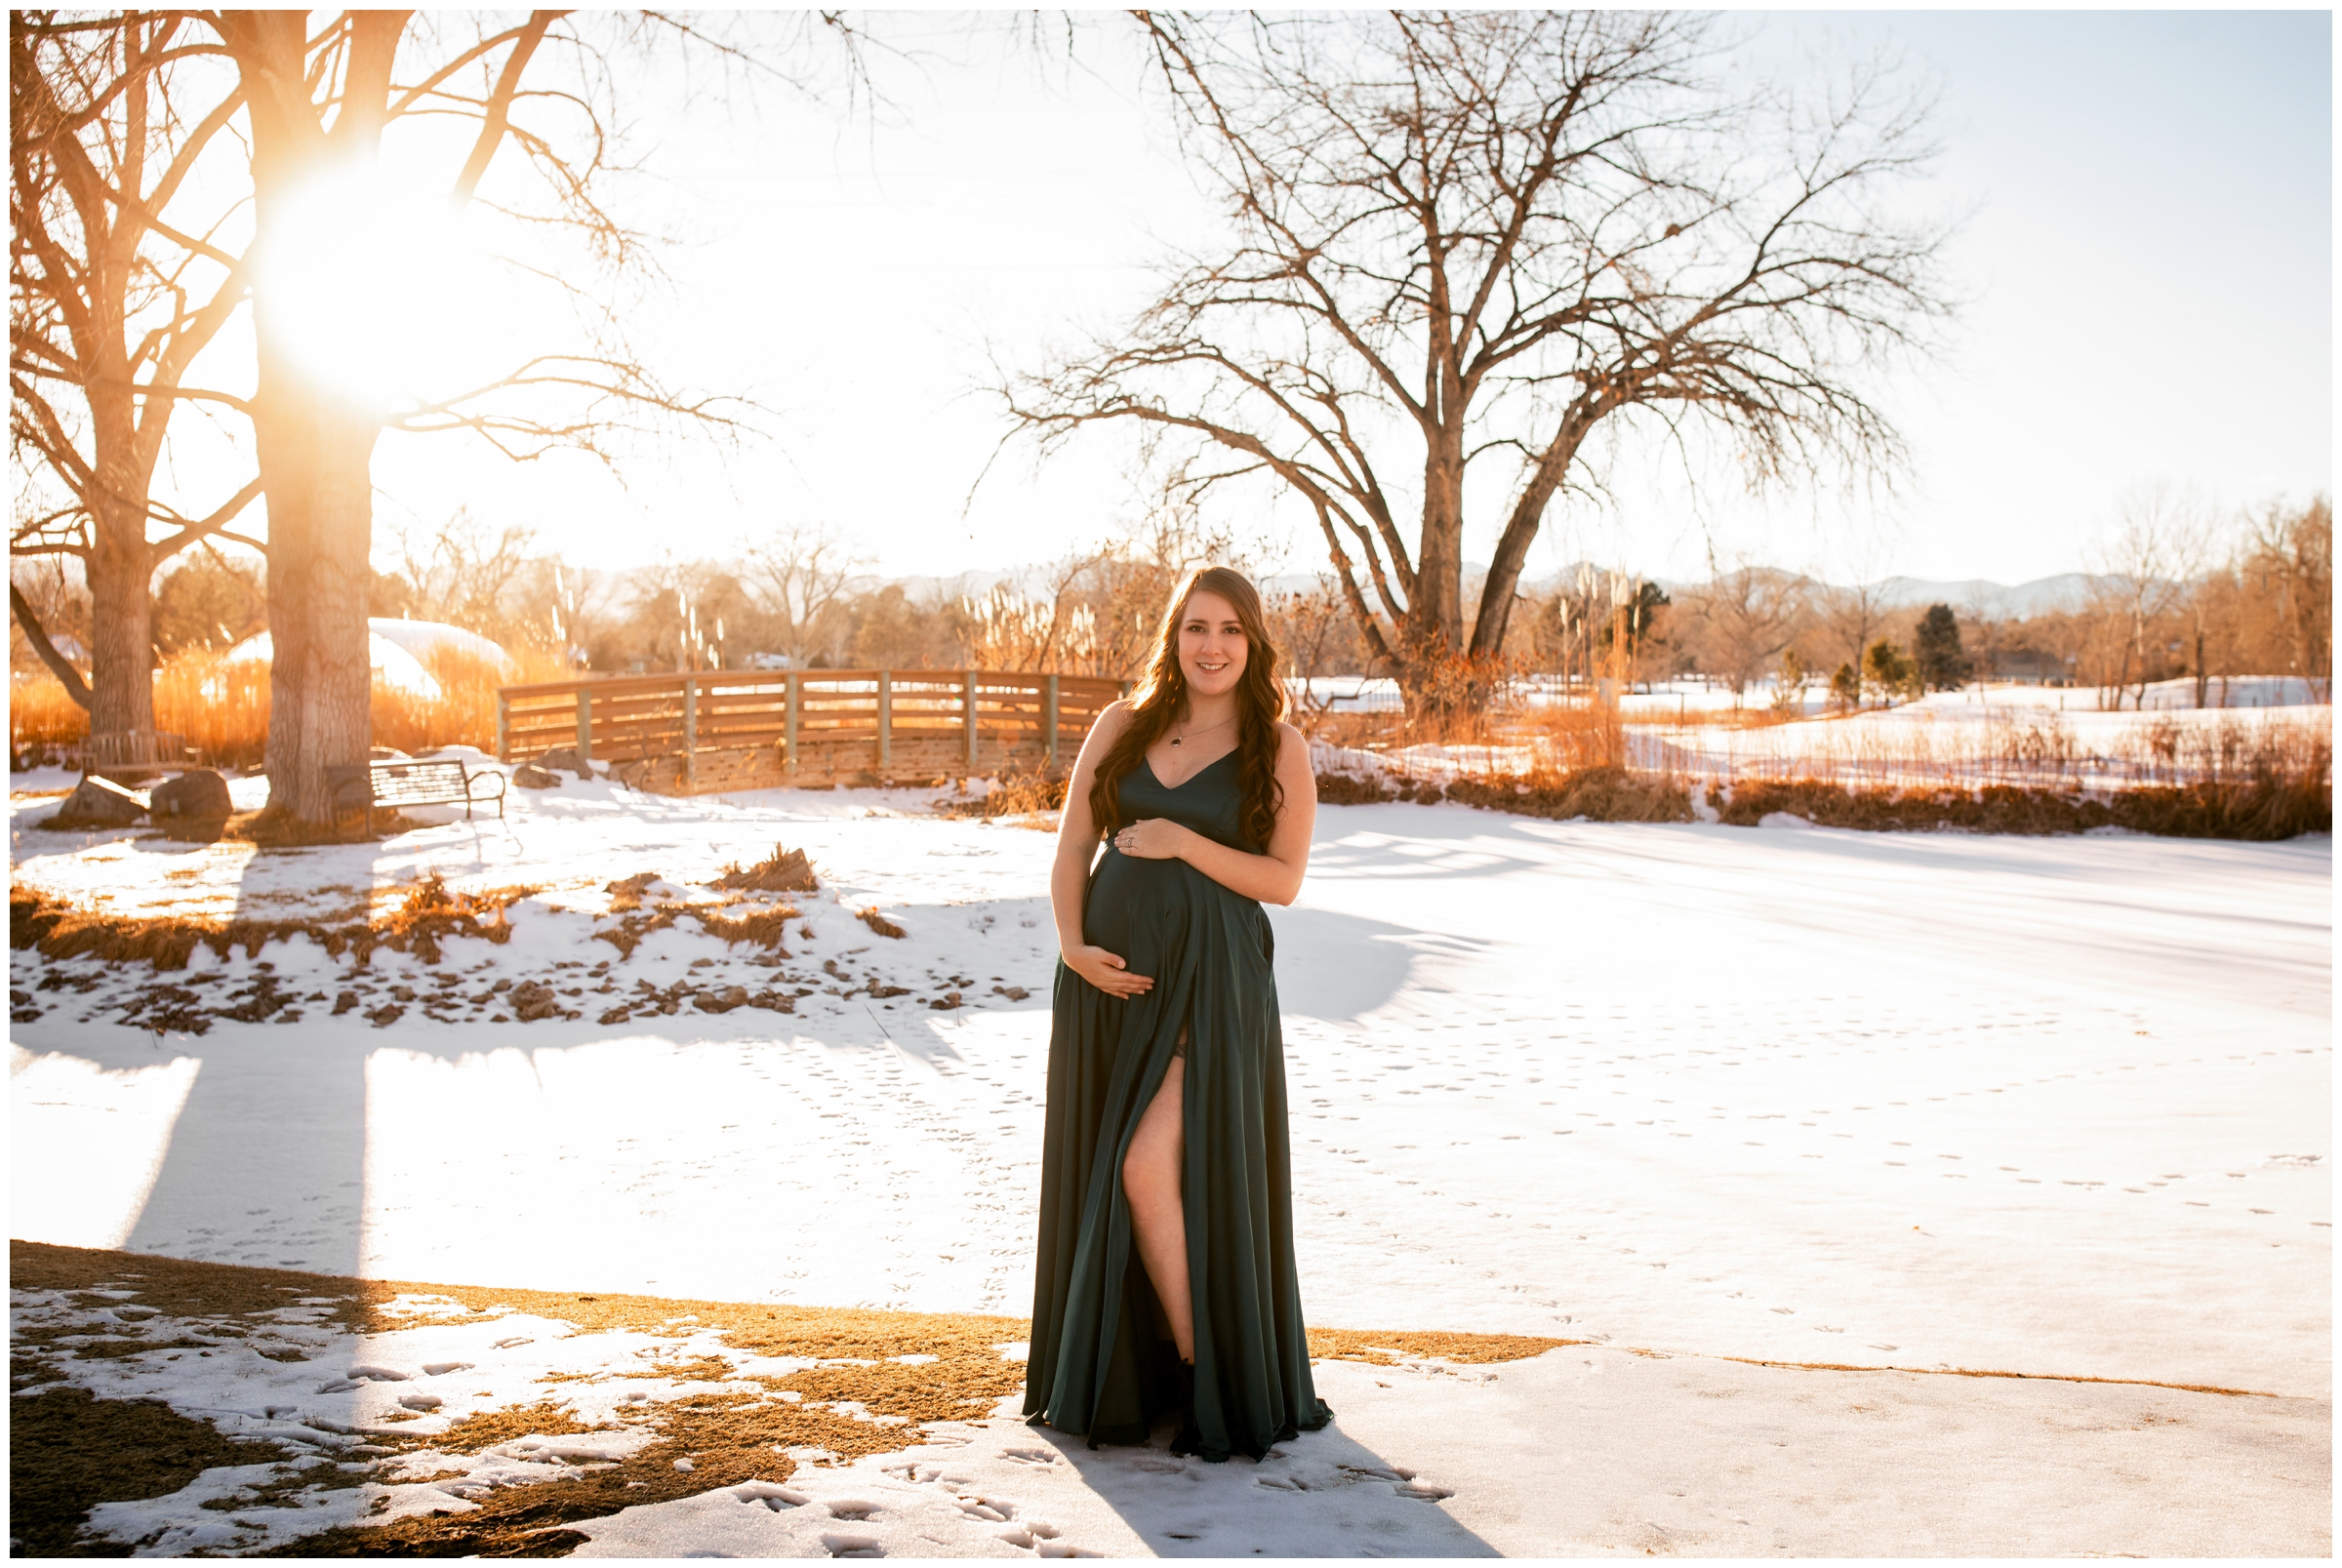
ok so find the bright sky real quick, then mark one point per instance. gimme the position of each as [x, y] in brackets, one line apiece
[2149, 260]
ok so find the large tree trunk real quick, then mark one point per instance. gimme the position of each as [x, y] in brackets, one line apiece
[121, 622]
[315, 443]
[316, 459]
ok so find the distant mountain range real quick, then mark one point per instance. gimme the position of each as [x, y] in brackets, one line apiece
[2041, 595]
[2023, 600]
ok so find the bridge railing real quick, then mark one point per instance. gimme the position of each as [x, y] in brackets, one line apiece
[689, 734]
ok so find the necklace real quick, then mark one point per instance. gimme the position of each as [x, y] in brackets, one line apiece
[1206, 730]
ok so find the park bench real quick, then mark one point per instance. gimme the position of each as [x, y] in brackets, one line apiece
[405, 781]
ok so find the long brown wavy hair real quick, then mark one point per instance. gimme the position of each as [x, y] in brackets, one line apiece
[1161, 698]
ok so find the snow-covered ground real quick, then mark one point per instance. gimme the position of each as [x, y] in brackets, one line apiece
[2057, 1106]
[1661, 701]
[2013, 734]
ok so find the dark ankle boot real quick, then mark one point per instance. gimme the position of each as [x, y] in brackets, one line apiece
[1188, 1439]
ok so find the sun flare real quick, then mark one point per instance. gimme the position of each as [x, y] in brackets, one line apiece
[374, 289]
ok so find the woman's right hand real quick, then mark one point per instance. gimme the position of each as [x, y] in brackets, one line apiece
[1106, 972]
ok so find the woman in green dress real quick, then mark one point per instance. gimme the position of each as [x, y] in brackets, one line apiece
[1166, 1281]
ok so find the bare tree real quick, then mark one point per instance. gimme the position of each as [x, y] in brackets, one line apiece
[2143, 563]
[1310, 624]
[2292, 551]
[800, 574]
[114, 289]
[1750, 614]
[462, 571]
[1855, 611]
[1464, 236]
[1984, 615]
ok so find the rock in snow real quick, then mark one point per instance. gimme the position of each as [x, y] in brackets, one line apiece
[199, 793]
[100, 803]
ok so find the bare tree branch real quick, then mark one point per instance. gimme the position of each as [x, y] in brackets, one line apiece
[1455, 235]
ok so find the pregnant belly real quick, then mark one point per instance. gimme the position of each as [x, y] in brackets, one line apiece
[1133, 901]
[1138, 908]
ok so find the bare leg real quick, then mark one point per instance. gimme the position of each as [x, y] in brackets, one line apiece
[1152, 1180]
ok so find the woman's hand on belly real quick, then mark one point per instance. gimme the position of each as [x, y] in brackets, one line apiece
[1106, 972]
[1155, 838]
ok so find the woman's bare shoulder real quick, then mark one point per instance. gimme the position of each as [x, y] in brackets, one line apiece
[1108, 727]
[1290, 743]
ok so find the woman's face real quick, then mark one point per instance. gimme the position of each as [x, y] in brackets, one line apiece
[1211, 644]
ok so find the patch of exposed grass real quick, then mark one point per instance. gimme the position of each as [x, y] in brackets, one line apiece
[417, 924]
[877, 923]
[69, 1451]
[858, 1399]
[764, 926]
[1465, 1349]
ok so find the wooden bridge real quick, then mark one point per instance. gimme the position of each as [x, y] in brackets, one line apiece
[692, 733]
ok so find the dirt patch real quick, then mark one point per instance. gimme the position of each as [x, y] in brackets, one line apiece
[67, 1452]
[877, 923]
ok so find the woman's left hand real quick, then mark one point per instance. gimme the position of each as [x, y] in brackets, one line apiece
[1153, 839]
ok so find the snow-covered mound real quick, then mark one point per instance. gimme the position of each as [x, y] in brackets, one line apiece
[423, 638]
[396, 651]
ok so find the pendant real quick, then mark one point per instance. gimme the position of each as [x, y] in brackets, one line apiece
[1174, 740]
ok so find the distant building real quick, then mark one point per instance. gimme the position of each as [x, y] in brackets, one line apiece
[2031, 665]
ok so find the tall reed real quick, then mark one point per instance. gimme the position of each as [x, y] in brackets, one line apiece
[222, 708]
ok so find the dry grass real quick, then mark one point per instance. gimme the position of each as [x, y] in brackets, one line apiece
[1604, 793]
[785, 870]
[417, 923]
[1016, 794]
[69, 1451]
[2251, 809]
[764, 926]
[1464, 1349]
[222, 708]
[878, 923]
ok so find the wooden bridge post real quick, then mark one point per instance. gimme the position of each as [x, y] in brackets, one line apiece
[691, 736]
[789, 725]
[967, 707]
[886, 721]
[585, 725]
[1049, 722]
[503, 725]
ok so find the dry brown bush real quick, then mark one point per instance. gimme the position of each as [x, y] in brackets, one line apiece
[1015, 794]
[2253, 810]
[784, 870]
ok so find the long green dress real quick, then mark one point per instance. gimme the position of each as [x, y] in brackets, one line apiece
[1102, 1363]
